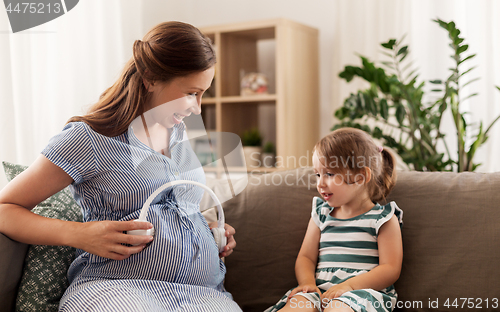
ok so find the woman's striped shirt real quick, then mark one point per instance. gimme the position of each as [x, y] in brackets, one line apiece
[113, 177]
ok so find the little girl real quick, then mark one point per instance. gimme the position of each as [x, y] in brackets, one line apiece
[352, 251]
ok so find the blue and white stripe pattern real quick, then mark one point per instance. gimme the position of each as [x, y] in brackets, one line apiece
[347, 248]
[180, 270]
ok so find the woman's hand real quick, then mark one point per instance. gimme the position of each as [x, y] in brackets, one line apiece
[107, 238]
[231, 242]
[306, 288]
[335, 291]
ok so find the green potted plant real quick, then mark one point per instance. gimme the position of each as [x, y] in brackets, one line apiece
[252, 140]
[406, 122]
[268, 153]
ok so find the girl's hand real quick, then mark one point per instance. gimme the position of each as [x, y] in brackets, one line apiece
[335, 291]
[306, 288]
[231, 243]
[107, 238]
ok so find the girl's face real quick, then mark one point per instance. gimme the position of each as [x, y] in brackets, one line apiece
[179, 97]
[338, 190]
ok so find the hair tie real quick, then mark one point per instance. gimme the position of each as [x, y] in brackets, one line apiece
[380, 149]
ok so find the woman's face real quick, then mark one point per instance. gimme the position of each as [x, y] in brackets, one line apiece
[179, 97]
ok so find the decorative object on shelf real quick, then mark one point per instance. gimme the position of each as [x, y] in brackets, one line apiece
[251, 141]
[254, 83]
[396, 95]
[268, 153]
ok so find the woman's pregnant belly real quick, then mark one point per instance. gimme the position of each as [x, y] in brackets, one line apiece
[183, 251]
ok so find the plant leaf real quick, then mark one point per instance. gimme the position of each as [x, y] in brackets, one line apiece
[462, 48]
[467, 58]
[491, 125]
[400, 114]
[342, 113]
[401, 40]
[441, 23]
[384, 109]
[389, 44]
[387, 54]
[477, 143]
[470, 81]
[360, 100]
[377, 133]
[402, 50]
[451, 26]
[411, 73]
[388, 64]
[404, 56]
[468, 70]
[408, 65]
[369, 104]
[469, 96]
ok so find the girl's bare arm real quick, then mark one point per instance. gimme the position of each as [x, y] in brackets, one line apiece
[305, 266]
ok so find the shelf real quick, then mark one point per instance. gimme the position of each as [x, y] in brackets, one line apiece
[248, 99]
[246, 169]
[242, 169]
[240, 99]
[287, 53]
[208, 100]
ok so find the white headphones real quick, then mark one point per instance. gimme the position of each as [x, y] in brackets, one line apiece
[219, 232]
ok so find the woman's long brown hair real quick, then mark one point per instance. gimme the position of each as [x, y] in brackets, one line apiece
[169, 50]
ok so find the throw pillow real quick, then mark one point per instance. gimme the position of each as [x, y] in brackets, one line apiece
[44, 277]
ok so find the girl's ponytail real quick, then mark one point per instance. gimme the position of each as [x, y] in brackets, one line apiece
[386, 180]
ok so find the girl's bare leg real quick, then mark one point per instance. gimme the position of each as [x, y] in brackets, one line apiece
[299, 303]
[337, 306]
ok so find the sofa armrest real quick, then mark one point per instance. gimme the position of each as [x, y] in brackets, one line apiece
[12, 256]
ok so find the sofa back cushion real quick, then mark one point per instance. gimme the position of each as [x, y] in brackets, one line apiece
[451, 238]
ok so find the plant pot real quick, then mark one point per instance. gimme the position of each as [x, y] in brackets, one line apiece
[252, 156]
[268, 160]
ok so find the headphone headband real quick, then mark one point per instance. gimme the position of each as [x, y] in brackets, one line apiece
[145, 207]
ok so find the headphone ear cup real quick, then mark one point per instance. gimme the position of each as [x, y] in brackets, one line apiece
[220, 238]
[141, 232]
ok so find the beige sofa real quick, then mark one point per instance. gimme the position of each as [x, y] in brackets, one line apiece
[451, 238]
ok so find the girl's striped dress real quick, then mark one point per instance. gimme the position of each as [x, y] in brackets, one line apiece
[180, 270]
[348, 247]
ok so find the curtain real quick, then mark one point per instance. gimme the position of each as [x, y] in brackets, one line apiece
[56, 70]
[361, 26]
